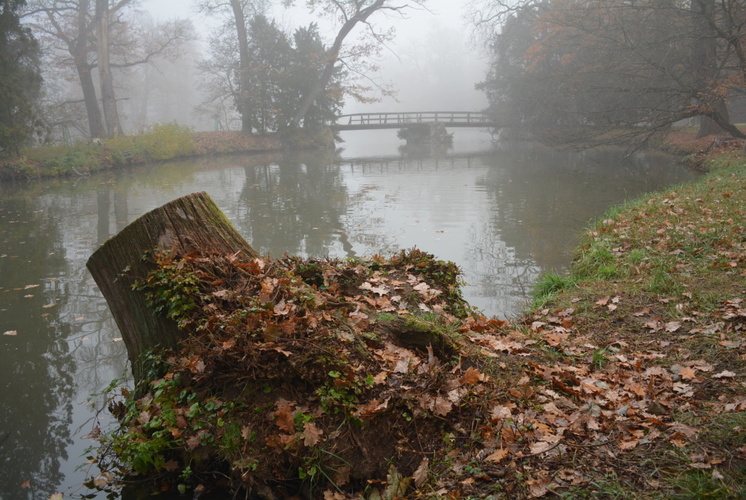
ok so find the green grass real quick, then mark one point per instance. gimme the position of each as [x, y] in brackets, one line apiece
[160, 142]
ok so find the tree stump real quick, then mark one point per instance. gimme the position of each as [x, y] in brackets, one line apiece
[190, 223]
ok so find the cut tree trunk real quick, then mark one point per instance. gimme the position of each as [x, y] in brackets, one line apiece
[190, 223]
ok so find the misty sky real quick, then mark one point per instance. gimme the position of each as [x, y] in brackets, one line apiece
[431, 64]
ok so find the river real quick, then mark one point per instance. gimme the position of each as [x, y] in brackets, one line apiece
[503, 214]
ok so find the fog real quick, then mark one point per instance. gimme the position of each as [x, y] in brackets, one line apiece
[430, 64]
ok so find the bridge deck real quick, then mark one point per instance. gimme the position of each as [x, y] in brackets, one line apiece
[371, 121]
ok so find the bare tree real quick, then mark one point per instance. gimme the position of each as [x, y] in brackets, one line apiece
[64, 27]
[238, 13]
[349, 13]
[96, 38]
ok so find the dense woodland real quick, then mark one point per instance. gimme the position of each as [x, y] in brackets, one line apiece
[578, 70]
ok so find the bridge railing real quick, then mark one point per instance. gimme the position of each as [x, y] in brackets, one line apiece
[372, 119]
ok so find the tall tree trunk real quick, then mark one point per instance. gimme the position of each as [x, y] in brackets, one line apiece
[95, 123]
[190, 223]
[243, 66]
[79, 50]
[108, 96]
[331, 60]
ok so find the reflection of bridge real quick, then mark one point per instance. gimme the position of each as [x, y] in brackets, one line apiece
[394, 163]
[371, 121]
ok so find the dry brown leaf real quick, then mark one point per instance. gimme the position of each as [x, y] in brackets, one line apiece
[193, 442]
[334, 495]
[628, 445]
[497, 455]
[471, 376]
[442, 406]
[539, 447]
[420, 475]
[500, 412]
[672, 326]
[284, 416]
[539, 486]
[687, 373]
[311, 434]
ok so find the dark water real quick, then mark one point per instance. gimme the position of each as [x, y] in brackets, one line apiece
[503, 215]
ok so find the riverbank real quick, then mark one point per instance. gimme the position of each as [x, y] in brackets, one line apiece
[163, 142]
[160, 143]
[640, 349]
[626, 380]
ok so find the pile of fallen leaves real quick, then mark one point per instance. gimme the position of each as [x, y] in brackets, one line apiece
[306, 375]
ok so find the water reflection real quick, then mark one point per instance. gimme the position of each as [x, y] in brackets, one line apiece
[503, 216]
[294, 207]
[36, 372]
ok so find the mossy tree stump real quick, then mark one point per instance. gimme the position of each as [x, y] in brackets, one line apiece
[193, 222]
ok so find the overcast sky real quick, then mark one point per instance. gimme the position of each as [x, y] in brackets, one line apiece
[431, 62]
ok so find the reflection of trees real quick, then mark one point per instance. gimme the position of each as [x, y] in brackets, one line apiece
[504, 278]
[539, 201]
[36, 366]
[295, 208]
[543, 198]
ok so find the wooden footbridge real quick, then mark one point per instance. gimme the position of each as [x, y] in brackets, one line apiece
[372, 121]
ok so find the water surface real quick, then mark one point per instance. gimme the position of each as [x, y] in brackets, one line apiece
[503, 215]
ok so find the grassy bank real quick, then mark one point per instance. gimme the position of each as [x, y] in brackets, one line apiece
[644, 338]
[160, 143]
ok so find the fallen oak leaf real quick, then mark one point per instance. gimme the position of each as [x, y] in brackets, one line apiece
[724, 374]
[730, 344]
[687, 373]
[472, 376]
[672, 326]
[380, 290]
[193, 442]
[540, 447]
[628, 445]
[420, 475]
[372, 407]
[439, 405]
[284, 415]
[539, 486]
[311, 434]
[498, 455]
